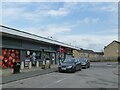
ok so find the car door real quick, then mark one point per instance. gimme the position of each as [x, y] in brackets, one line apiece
[79, 64]
[87, 63]
[76, 64]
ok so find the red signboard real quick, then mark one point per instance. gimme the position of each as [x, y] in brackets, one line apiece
[61, 49]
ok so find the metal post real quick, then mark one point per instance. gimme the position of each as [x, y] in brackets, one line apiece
[37, 64]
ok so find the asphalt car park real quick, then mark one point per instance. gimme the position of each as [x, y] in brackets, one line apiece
[99, 75]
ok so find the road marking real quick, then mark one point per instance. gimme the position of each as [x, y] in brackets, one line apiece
[56, 82]
[60, 80]
[109, 65]
[0, 87]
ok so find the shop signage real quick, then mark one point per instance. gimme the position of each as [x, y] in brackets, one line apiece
[61, 49]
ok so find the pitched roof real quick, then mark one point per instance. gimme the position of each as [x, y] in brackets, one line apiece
[90, 51]
[111, 43]
[117, 41]
[86, 51]
[99, 53]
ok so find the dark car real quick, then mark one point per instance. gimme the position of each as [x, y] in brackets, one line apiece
[85, 62]
[70, 65]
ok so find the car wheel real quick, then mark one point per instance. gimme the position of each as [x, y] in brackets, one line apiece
[89, 66]
[80, 68]
[74, 70]
[60, 70]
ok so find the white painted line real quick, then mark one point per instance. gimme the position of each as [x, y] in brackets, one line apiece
[60, 80]
[109, 65]
[0, 87]
[56, 82]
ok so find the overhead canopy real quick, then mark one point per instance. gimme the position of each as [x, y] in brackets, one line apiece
[19, 33]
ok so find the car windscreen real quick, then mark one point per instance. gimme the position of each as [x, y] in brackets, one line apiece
[69, 61]
[83, 60]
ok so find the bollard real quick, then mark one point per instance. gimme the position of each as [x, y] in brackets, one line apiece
[43, 65]
[37, 64]
[43, 62]
[30, 64]
[22, 65]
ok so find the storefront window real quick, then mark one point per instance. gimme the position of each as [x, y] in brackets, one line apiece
[32, 56]
[38, 55]
[8, 57]
[52, 56]
[47, 55]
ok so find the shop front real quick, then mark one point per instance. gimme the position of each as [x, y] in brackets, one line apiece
[27, 48]
[21, 50]
[9, 56]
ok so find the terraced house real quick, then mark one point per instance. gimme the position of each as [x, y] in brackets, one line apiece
[87, 54]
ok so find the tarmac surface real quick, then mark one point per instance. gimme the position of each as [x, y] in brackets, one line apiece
[99, 75]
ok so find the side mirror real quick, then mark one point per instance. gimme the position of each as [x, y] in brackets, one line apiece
[75, 62]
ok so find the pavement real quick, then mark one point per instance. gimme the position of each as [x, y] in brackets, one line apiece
[8, 76]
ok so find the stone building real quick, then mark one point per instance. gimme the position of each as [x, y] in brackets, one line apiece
[112, 50]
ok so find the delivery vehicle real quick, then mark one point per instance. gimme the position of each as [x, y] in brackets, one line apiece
[70, 65]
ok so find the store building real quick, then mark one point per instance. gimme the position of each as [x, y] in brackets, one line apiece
[24, 47]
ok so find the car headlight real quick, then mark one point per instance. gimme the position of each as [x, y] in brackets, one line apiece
[83, 63]
[69, 67]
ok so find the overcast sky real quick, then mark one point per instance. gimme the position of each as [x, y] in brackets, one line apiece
[88, 25]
